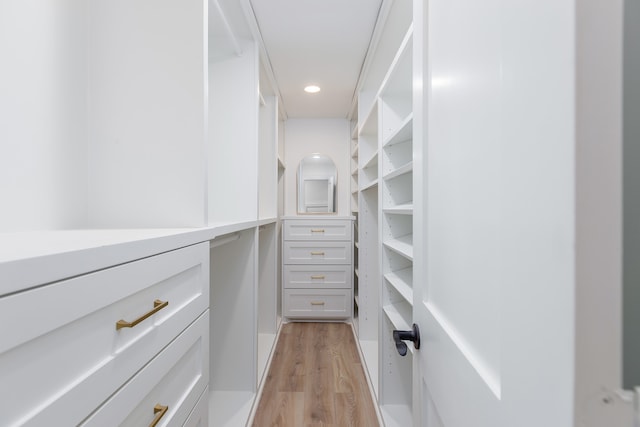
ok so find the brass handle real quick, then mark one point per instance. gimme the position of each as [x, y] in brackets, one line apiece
[157, 306]
[318, 230]
[317, 277]
[159, 410]
[317, 253]
[317, 302]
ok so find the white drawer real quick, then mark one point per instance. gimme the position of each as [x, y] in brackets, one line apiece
[167, 388]
[315, 230]
[317, 303]
[317, 252]
[317, 276]
[61, 355]
[199, 417]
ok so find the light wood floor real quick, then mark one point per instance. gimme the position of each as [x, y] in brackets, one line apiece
[316, 379]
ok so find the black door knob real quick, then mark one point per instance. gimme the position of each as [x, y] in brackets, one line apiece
[400, 336]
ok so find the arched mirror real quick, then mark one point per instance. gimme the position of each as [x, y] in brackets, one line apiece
[317, 178]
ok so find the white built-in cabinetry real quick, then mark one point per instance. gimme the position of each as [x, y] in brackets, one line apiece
[385, 211]
[110, 344]
[354, 212]
[317, 268]
[244, 170]
[140, 168]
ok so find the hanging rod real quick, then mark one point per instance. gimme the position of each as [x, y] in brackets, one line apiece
[264, 226]
[223, 240]
[227, 27]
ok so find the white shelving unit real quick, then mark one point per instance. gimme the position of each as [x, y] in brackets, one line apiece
[396, 230]
[245, 149]
[385, 220]
[354, 211]
[234, 115]
[242, 276]
[234, 268]
[354, 167]
[368, 240]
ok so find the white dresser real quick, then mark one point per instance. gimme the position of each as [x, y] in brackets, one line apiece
[317, 268]
[125, 345]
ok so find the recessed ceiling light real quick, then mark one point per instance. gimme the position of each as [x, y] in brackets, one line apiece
[312, 89]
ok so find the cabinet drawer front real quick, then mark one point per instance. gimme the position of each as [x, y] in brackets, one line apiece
[175, 379]
[317, 276]
[315, 230]
[317, 252]
[199, 417]
[317, 303]
[66, 357]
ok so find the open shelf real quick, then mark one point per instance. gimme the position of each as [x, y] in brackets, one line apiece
[406, 168]
[404, 209]
[371, 161]
[402, 281]
[402, 245]
[396, 315]
[370, 185]
[370, 123]
[398, 67]
[395, 95]
[385, 104]
[402, 134]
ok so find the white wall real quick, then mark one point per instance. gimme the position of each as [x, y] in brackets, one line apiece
[43, 129]
[268, 155]
[325, 136]
[147, 114]
[632, 195]
[102, 124]
[233, 137]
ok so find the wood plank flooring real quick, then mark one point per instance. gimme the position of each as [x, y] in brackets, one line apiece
[316, 378]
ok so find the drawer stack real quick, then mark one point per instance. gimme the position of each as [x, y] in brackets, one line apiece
[317, 268]
[127, 345]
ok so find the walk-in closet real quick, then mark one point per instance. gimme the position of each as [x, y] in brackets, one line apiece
[192, 191]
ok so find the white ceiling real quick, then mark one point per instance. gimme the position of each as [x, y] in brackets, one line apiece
[321, 42]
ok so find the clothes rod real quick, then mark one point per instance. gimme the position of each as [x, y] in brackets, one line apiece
[223, 240]
[227, 27]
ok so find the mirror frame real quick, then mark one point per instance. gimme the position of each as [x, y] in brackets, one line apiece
[300, 187]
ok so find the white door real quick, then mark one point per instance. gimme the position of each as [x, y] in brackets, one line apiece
[495, 213]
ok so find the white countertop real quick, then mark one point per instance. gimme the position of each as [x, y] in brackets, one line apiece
[34, 258]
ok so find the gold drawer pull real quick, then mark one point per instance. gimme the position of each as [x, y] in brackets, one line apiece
[317, 230]
[157, 306]
[159, 410]
[317, 277]
[317, 302]
[317, 253]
